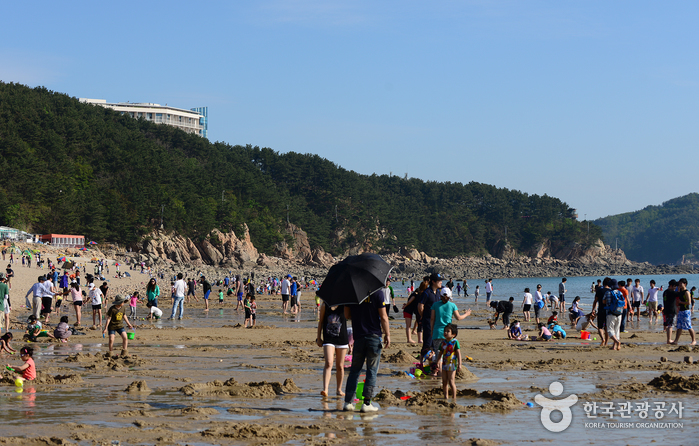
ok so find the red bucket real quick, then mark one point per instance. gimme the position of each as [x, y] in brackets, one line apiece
[584, 335]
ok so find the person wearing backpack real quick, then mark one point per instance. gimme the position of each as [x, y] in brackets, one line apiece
[614, 302]
[600, 311]
[621, 284]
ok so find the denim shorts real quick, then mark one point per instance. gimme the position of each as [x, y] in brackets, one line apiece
[120, 331]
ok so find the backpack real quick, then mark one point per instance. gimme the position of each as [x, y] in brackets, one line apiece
[613, 302]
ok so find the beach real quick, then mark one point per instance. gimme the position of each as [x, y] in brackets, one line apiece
[207, 380]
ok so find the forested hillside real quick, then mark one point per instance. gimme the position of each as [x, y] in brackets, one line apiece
[69, 167]
[657, 234]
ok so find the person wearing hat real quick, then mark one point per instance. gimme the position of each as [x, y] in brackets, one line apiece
[115, 323]
[424, 308]
[441, 315]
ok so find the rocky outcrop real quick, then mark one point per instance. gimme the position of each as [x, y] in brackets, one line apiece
[217, 248]
[225, 249]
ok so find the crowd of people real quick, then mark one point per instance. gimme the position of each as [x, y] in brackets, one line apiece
[362, 330]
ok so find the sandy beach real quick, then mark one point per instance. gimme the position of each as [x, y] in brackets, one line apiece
[207, 380]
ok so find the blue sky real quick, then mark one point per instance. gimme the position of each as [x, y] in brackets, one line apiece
[593, 102]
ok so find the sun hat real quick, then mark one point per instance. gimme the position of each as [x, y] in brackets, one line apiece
[445, 292]
[118, 299]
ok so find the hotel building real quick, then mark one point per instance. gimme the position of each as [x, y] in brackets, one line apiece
[194, 121]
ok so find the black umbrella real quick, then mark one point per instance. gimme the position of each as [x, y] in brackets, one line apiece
[354, 279]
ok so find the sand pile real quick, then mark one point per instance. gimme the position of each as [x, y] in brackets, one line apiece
[45, 378]
[199, 411]
[685, 349]
[107, 362]
[138, 387]
[434, 399]
[298, 355]
[464, 374]
[273, 434]
[400, 357]
[674, 382]
[232, 388]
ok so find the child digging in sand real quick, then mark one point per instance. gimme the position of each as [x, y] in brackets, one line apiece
[28, 369]
[115, 323]
[544, 333]
[5, 343]
[450, 353]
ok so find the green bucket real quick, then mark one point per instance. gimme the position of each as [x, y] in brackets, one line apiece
[131, 335]
[360, 391]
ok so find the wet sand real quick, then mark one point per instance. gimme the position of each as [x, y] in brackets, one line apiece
[205, 380]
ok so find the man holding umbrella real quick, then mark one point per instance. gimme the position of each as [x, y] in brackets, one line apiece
[369, 322]
[358, 282]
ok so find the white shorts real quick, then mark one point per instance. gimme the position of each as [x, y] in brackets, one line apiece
[7, 307]
[613, 325]
[337, 346]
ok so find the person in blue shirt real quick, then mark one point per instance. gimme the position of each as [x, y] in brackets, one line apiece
[294, 296]
[557, 331]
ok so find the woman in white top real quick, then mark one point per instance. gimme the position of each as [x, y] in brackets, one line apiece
[526, 304]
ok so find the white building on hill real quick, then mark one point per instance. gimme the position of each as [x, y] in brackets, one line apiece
[191, 121]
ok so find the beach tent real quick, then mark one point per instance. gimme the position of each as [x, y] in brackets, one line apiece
[68, 265]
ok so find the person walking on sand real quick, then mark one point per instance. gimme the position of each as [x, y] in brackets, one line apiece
[239, 292]
[36, 291]
[539, 303]
[410, 309]
[562, 290]
[333, 338]
[651, 302]
[670, 297]
[152, 292]
[601, 312]
[77, 298]
[613, 314]
[4, 291]
[488, 291]
[684, 312]
[637, 297]
[95, 296]
[285, 291]
[179, 288]
[115, 323]
[48, 293]
[369, 322]
[206, 286]
[527, 304]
